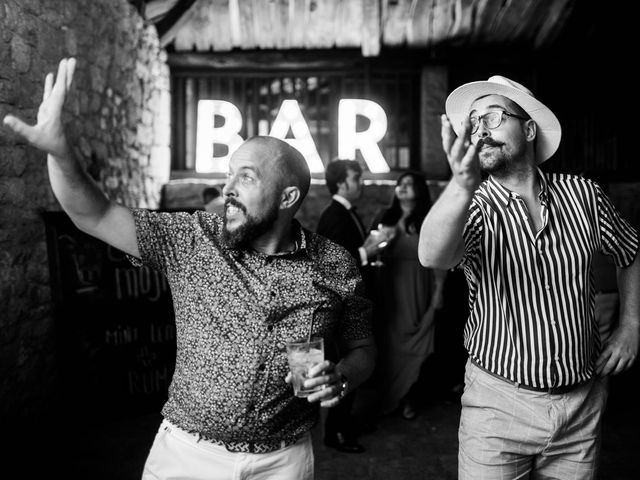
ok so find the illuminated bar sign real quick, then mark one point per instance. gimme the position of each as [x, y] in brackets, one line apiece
[290, 117]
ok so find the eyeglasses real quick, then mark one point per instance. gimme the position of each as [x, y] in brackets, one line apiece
[491, 120]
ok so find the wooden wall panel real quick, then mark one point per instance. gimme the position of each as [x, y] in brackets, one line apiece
[220, 25]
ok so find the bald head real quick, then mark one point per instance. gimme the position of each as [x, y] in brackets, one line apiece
[287, 163]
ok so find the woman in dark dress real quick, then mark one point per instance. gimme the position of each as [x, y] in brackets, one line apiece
[408, 295]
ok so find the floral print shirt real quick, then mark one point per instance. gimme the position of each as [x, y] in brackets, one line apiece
[234, 311]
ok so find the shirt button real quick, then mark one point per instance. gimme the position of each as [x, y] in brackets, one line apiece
[270, 327]
[547, 286]
[261, 367]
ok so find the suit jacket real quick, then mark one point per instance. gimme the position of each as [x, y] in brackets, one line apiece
[338, 225]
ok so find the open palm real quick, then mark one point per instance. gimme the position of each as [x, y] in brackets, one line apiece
[48, 133]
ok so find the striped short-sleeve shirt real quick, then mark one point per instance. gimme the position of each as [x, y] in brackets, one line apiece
[531, 294]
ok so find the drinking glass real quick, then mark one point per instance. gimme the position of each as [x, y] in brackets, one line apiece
[302, 355]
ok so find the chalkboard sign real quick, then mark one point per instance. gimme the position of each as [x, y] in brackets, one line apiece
[114, 323]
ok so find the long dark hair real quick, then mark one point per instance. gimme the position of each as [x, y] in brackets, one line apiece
[392, 214]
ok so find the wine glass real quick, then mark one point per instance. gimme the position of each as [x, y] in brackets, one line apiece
[384, 233]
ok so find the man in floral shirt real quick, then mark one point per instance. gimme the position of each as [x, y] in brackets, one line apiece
[242, 286]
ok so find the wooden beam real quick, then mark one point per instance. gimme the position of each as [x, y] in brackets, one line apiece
[173, 20]
[267, 61]
[154, 10]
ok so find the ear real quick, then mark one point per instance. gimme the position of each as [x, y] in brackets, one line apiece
[531, 130]
[289, 197]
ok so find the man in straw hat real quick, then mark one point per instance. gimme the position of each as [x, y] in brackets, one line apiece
[243, 285]
[536, 378]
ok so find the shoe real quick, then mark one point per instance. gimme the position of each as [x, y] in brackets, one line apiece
[342, 444]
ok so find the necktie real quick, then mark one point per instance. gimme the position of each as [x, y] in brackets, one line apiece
[356, 219]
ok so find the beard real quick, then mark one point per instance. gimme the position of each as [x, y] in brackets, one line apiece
[494, 161]
[252, 227]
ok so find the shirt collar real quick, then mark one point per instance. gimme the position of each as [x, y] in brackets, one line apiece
[301, 243]
[504, 195]
[343, 201]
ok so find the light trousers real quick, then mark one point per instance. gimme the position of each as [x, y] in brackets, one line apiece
[511, 433]
[179, 455]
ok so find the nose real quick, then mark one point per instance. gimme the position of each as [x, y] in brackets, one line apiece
[229, 188]
[482, 131]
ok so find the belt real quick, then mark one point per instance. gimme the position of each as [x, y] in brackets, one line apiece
[550, 390]
[237, 447]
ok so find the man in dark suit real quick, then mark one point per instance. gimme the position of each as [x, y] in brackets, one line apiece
[340, 223]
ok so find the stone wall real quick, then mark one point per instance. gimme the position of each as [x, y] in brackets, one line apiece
[118, 119]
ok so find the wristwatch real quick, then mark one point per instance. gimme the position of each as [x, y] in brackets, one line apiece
[343, 386]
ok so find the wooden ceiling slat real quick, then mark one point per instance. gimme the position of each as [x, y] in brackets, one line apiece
[220, 25]
[248, 35]
[559, 11]
[370, 28]
[462, 26]
[511, 15]
[263, 24]
[419, 26]
[297, 23]
[442, 13]
[348, 24]
[279, 18]
[486, 12]
[209, 28]
[320, 27]
[536, 14]
[234, 23]
[395, 18]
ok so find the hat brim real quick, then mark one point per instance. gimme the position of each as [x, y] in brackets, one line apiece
[549, 131]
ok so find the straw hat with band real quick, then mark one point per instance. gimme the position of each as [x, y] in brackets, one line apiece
[459, 102]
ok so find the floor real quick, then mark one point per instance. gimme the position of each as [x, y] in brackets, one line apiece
[424, 448]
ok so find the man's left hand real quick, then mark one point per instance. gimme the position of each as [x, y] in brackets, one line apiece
[620, 350]
[327, 375]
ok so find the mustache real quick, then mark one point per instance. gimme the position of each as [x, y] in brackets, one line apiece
[487, 141]
[232, 201]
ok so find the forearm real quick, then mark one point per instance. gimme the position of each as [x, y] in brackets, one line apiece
[358, 363]
[79, 196]
[441, 243]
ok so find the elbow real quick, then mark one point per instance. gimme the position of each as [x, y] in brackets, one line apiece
[432, 262]
[428, 259]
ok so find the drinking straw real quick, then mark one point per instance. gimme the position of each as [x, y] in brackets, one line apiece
[310, 331]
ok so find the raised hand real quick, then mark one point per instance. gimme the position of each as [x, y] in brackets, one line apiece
[461, 154]
[48, 133]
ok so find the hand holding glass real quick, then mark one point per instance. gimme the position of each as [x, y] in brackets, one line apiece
[302, 356]
[382, 236]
